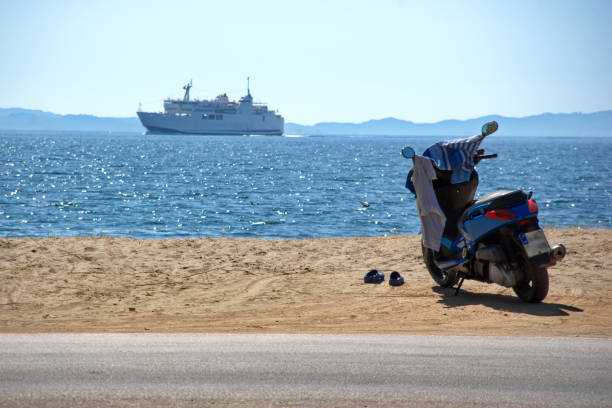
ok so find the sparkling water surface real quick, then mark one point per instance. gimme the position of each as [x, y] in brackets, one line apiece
[159, 186]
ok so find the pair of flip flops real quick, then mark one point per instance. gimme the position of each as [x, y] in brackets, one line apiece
[395, 279]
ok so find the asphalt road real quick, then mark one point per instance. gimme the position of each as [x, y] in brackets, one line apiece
[136, 370]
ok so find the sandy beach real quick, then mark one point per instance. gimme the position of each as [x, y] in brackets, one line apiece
[105, 284]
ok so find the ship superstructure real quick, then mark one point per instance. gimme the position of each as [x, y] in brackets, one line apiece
[218, 116]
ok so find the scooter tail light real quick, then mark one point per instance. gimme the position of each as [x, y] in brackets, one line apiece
[532, 206]
[501, 214]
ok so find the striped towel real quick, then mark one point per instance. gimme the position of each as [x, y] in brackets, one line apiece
[456, 155]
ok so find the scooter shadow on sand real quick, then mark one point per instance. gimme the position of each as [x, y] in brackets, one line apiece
[501, 302]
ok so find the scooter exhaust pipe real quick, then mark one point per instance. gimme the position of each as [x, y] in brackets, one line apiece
[558, 252]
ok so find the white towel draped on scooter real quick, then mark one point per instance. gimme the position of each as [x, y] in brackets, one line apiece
[431, 215]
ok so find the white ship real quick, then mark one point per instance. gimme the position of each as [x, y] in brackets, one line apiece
[219, 116]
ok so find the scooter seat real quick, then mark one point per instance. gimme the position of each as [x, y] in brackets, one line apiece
[501, 199]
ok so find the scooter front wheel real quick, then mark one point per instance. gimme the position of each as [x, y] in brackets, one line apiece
[442, 278]
[536, 288]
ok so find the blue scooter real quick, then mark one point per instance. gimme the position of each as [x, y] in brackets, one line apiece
[495, 239]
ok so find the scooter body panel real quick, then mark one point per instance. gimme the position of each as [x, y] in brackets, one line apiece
[482, 220]
[477, 223]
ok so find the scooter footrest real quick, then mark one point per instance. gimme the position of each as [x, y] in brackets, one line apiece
[446, 265]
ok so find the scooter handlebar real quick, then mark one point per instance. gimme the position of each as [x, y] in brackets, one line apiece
[480, 157]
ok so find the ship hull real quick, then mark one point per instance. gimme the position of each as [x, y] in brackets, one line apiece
[161, 123]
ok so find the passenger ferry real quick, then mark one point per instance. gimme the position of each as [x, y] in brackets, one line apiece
[218, 116]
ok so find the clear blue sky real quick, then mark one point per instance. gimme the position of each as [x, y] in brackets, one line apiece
[315, 61]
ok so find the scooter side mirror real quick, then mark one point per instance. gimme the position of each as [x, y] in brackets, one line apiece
[488, 128]
[408, 152]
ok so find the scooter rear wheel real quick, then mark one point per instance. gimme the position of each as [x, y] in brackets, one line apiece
[536, 289]
[442, 278]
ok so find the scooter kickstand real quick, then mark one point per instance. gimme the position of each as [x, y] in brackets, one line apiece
[459, 286]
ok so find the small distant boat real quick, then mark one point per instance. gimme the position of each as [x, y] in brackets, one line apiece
[218, 116]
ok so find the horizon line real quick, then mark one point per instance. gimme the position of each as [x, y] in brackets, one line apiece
[344, 123]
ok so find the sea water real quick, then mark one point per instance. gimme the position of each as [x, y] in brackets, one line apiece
[161, 186]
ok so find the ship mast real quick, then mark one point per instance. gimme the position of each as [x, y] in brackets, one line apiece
[187, 88]
[248, 86]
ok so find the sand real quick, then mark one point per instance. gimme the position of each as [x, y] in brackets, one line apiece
[105, 284]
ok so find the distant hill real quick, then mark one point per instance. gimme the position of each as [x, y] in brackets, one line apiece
[27, 119]
[546, 124]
